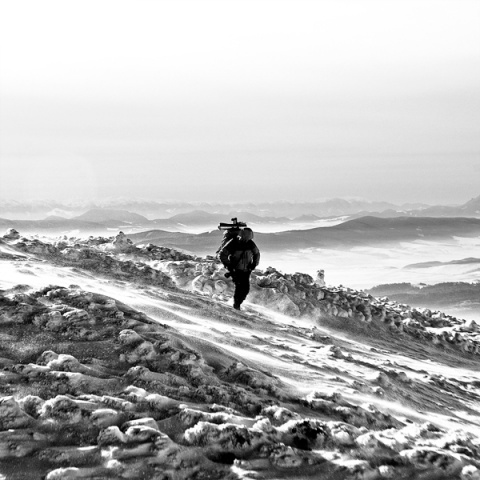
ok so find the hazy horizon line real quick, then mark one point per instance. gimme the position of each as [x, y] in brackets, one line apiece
[159, 200]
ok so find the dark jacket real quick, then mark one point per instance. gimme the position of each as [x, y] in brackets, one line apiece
[239, 254]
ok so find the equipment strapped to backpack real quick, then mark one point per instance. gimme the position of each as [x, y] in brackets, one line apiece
[235, 224]
[231, 231]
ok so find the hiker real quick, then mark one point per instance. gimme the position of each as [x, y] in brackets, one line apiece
[240, 256]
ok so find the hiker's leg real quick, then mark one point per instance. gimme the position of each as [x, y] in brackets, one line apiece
[242, 287]
[246, 285]
[238, 288]
[238, 296]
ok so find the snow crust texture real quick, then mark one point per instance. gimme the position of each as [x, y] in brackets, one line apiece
[92, 387]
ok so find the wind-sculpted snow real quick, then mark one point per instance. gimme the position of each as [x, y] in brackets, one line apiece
[310, 382]
[298, 295]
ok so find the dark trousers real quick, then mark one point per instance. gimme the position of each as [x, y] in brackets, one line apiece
[241, 279]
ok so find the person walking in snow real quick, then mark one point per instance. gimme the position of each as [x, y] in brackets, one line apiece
[240, 256]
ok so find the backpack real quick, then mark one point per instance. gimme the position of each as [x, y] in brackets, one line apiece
[245, 260]
[227, 236]
[239, 255]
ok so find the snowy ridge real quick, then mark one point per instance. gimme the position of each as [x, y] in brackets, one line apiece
[123, 361]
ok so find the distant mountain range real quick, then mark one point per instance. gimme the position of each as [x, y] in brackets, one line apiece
[469, 209]
[167, 210]
[366, 231]
[200, 218]
[362, 231]
[93, 221]
[98, 220]
[112, 217]
[463, 261]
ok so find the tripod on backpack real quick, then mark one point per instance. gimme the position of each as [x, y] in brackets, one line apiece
[231, 231]
[235, 225]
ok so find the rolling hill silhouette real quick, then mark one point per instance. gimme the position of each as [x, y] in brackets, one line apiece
[359, 232]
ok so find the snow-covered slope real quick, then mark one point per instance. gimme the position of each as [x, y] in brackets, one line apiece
[128, 362]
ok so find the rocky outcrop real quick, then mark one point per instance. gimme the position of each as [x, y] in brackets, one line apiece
[111, 258]
[122, 244]
[11, 234]
[299, 295]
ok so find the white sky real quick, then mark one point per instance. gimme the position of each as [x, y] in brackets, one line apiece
[240, 100]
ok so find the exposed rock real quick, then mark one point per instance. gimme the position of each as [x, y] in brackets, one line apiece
[11, 415]
[11, 234]
[122, 244]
